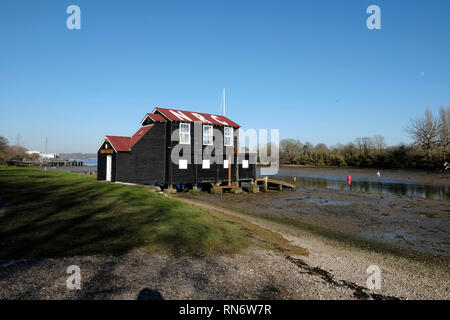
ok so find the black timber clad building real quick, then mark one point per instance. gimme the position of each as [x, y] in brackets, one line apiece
[146, 157]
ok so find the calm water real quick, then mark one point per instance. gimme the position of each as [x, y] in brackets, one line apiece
[426, 191]
[90, 162]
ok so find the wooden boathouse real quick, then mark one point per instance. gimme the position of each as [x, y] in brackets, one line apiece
[146, 156]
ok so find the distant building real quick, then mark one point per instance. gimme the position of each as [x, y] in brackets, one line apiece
[49, 156]
[43, 155]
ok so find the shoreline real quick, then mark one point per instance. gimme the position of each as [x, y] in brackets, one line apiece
[399, 175]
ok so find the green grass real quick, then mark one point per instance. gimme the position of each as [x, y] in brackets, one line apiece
[55, 214]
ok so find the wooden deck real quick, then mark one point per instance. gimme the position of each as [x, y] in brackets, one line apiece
[278, 183]
[46, 163]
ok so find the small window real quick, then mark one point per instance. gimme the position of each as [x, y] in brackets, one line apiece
[244, 164]
[225, 164]
[205, 164]
[228, 137]
[185, 133]
[208, 135]
[106, 146]
[182, 164]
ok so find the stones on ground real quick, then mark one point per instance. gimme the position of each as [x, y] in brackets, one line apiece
[170, 190]
[236, 190]
[216, 191]
[194, 191]
[154, 188]
[253, 188]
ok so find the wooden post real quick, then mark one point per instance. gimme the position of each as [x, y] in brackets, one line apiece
[229, 170]
[236, 166]
[266, 183]
[295, 183]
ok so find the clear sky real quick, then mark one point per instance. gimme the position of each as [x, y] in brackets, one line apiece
[310, 68]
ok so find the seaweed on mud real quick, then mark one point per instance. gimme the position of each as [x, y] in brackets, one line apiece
[359, 292]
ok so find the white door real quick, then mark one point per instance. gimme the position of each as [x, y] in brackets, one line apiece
[108, 167]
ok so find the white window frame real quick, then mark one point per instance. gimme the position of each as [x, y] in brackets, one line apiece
[206, 164]
[245, 164]
[225, 163]
[188, 134]
[225, 136]
[182, 164]
[209, 135]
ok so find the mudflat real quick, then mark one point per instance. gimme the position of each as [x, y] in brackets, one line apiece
[407, 223]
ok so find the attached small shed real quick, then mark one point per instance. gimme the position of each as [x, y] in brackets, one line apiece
[145, 157]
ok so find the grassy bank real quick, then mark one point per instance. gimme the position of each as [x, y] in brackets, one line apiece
[54, 214]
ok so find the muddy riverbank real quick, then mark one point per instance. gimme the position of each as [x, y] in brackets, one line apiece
[407, 223]
[343, 265]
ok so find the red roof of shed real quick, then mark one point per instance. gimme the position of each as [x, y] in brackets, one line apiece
[119, 143]
[156, 117]
[126, 143]
[189, 116]
[139, 134]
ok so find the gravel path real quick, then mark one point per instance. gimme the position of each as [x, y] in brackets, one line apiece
[255, 274]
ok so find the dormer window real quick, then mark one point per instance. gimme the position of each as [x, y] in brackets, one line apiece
[228, 137]
[208, 135]
[185, 133]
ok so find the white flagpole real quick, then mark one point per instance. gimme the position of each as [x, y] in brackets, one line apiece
[224, 101]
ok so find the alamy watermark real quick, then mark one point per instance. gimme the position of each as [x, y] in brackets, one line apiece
[373, 22]
[252, 147]
[73, 282]
[74, 20]
[373, 282]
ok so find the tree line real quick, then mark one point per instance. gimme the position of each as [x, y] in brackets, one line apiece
[9, 153]
[429, 150]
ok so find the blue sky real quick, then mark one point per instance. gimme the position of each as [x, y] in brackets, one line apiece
[310, 68]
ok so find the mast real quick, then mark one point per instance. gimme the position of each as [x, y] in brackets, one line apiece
[223, 102]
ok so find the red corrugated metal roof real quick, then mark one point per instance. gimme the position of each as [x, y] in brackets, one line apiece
[139, 134]
[189, 116]
[126, 143]
[157, 117]
[119, 143]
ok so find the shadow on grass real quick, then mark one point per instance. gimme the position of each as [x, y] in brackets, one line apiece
[56, 214]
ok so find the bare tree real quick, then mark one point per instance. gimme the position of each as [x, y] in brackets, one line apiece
[444, 133]
[364, 144]
[379, 143]
[425, 132]
[290, 150]
[321, 147]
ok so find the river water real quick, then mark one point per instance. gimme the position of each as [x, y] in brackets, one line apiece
[363, 183]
